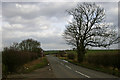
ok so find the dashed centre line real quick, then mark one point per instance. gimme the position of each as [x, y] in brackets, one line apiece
[82, 74]
[75, 71]
[68, 67]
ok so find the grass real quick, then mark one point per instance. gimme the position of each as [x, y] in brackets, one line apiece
[99, 68]
[35, 64]
[102, 51]
[95, 51]
[88, 52]
[51, 52]
[94, 67]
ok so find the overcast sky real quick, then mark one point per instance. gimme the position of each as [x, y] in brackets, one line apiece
[43, 21]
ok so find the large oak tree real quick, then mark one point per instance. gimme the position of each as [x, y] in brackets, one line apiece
[88, 28]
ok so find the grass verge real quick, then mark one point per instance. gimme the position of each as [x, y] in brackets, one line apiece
[35, 64]
[94, 67]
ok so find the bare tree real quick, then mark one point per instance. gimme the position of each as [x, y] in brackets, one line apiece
[88, 28]
[29, 45]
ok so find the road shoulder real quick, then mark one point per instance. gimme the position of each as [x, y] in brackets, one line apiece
[45, 72]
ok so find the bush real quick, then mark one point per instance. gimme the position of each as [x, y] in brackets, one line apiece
[16, 55]
[4, 71]
[62, 54]
[104, 59]
[13, 59]
[71, 56]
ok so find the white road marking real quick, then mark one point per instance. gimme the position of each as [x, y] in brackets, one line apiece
[49, 69]
[75, 71]
[65, 61]
[68, 67]
[82, 74]
[62, 63]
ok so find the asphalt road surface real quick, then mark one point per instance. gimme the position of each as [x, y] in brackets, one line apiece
[64, 69]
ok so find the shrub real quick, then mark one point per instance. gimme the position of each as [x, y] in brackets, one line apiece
[71, 56]
[62, 54]
[18, 54]
[13, 59]
[4, 71]
[104, 59]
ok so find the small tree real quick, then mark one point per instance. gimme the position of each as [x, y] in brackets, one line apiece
[89, 29]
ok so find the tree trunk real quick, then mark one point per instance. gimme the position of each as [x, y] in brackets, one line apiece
[81, 54]
[80, 57]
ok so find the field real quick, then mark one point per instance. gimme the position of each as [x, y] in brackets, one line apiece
[103, 51]
[51, 52]
[88, 52]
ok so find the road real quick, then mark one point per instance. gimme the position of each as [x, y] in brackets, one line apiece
[64, 69]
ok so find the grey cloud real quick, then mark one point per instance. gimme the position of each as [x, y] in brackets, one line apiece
[45, 22]
[51, 42]
[48, 9]
[111, 14]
